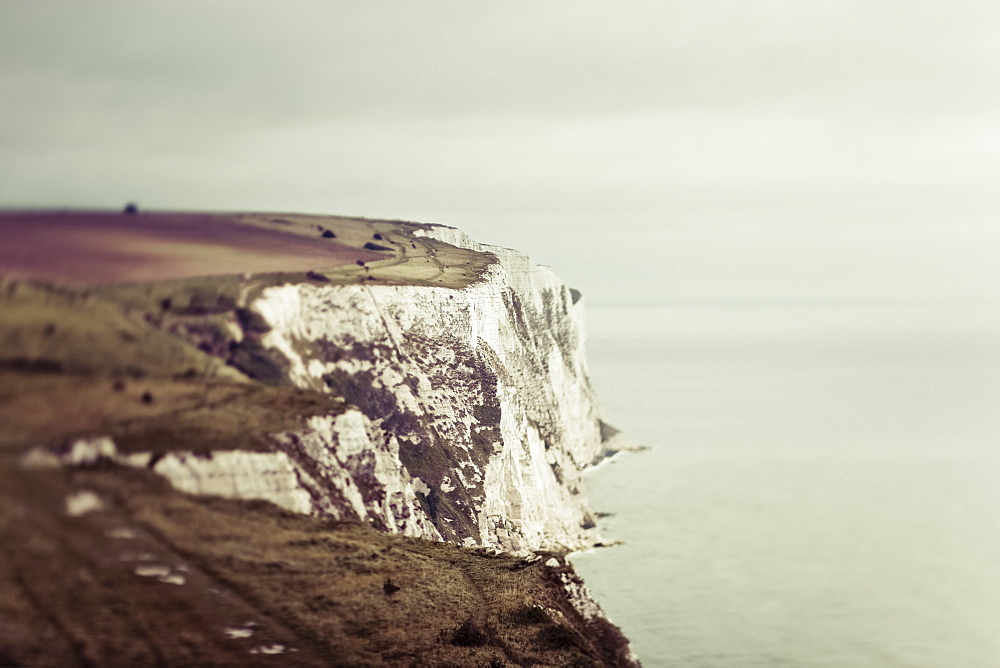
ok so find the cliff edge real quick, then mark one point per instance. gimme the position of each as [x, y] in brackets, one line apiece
[373, 378]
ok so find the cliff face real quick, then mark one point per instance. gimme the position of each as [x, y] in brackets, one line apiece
[468, 415]
[474, 414]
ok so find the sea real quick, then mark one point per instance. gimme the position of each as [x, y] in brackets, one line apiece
[821, 488]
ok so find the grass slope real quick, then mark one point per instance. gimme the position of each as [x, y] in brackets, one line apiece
[157, 577]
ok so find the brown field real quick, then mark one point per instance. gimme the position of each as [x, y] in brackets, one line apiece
[104, 248]
[98, 247]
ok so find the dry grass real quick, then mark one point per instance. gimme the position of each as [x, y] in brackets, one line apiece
[107, 248]
[57, 329]
[47, 409]
[71, 595]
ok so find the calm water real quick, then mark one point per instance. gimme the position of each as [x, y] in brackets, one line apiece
[823, 487]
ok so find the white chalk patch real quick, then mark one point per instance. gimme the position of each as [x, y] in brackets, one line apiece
[552, 562]
[235, 331]
[37, 458]
[124, 533]
[80, 452]
[81, 503]
[420, 487]
[239, 633]
[164, 574]
[88, 451]
[152, 571]
[139, 460]
[276, 648]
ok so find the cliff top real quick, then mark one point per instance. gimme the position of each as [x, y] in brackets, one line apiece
[103, 247]
[100, 306]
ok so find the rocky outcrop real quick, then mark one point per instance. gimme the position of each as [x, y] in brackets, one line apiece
[475, 406]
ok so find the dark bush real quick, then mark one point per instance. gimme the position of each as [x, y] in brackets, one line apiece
[251, 321]
[130, 209]
[469, 635]
[250, 357]
[315, 276]
[389, 587]
[557, 637]
[328, 234]
[529, 614]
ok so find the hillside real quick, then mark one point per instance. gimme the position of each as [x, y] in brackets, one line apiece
[117, 396]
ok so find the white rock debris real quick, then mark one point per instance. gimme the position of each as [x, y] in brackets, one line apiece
[164, 574]
[83, 502]
[236, 474]
[580, 597]
[78, 452]
[276, 648]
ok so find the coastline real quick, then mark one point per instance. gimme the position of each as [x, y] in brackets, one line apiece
[194, 386]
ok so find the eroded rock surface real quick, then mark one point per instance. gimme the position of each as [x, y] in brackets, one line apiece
[476, 416]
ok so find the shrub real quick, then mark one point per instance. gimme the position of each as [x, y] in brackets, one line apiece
[469, 635]
[558, 637]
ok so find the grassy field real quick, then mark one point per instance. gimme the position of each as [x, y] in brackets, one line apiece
[134, 252]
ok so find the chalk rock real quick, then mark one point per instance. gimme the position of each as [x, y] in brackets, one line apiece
[235, 474]
[476, 416]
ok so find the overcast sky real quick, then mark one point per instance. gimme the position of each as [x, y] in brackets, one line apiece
[649, 151]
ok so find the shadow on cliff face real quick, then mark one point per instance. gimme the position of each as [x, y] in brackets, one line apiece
[424, 452]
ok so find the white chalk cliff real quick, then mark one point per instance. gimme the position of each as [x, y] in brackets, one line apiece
[472, 414]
